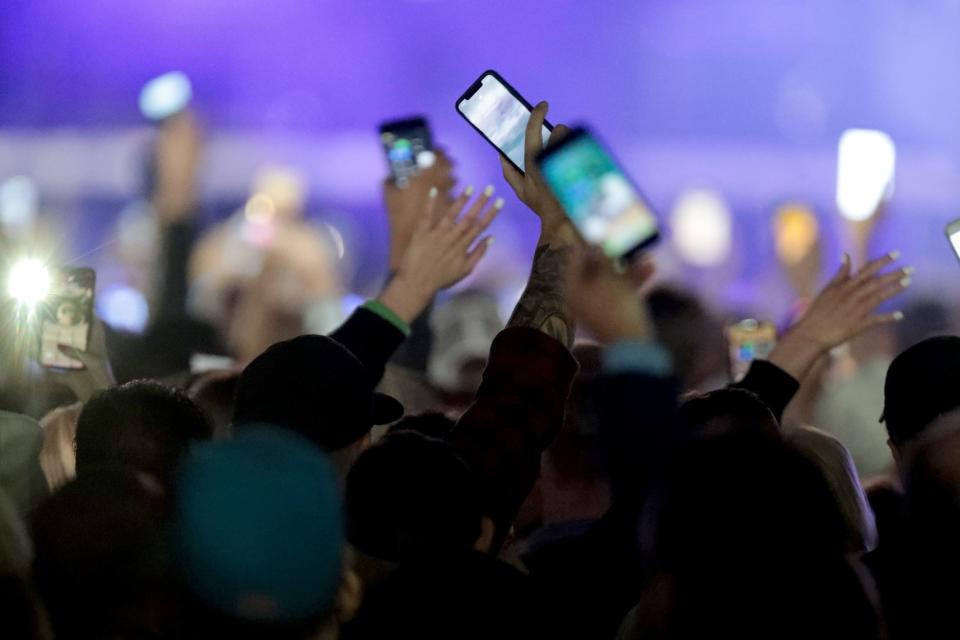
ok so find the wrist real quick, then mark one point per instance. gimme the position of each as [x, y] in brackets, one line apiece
[557, 234]
[797, 352]
[407, 299]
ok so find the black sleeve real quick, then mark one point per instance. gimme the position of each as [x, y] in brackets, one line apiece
[775, 386]
[415, 350]
[176, 244]
[371, 338]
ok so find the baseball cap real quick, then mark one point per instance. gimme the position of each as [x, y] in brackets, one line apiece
[258, 530]
[315, 386]
[922, 383]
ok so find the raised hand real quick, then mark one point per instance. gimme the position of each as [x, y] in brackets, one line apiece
[844, 309]
[405, 205]
[443, 250]
[96, 374]
[176, 157]
[530, 186]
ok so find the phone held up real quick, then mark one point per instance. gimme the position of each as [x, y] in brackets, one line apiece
[749, 340]
[66, 316]
[408, 146]
[953, 235]
[598, 197]
[500, 114]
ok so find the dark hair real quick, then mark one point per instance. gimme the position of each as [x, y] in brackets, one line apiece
[99, 562]
[410, 495]
[214, 392]
[726, 411]
[143, 425]
[689, 332]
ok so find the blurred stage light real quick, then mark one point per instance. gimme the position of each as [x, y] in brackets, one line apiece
[28, 281]
[165, 95]
[18, 205]
[795, 232]
[702, 228]
[124, 308]
[865, 166]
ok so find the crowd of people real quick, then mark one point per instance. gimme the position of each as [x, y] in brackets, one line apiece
[579, 475]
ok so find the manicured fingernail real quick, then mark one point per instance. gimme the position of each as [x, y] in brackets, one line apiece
[905, 281]
[894, 255]
[908, 270]
[433, 192]
[898, 316]
[488, 191]
[498, 203]
[468, 191]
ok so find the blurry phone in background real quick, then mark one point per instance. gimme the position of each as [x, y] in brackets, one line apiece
[500, 114]
[165, 96]
[409, 147]
[953, 235]
[65, 316]
[749, 340]
[601, 201]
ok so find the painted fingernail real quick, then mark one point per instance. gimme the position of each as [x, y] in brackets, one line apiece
[894, 255]
[908, 270]
[433, 192]
[905, 281]
[488, 191]
[897, 316]
[498, 203]
[468, 191]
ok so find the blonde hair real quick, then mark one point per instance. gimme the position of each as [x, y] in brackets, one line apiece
[58, 457]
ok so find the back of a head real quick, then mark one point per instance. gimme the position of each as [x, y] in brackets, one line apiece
[142, 425]
[727, 411]
[752, 541]
[99, 560]
[258, 536]
[923, 382]
[409, 496]
[690, 333]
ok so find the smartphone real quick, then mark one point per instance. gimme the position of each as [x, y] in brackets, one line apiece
[596, 194]
[165, 96]
[500, 114]
[66, 316]
[749, 340]
[409, 147]
[953, 235]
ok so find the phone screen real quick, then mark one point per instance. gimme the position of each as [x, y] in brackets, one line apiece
[500, 116]
[749, 340]
[597, 196]
[408, 146]
[66, 315]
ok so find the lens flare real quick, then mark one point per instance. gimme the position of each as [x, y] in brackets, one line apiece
[29, 281]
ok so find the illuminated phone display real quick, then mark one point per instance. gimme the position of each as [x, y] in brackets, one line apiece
[408, 146]
[749, 340]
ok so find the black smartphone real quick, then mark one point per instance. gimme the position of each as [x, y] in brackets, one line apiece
[409, 147]
[66, 316]
[500, 114]
[597, 196]
[953, 235]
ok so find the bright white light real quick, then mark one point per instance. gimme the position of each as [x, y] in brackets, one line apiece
[865, 164]
[165, 95]
[702, 228]
[123, 308]
[29, 281]
[18, 205]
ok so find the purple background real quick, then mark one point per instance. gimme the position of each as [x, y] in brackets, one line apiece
[746, 97]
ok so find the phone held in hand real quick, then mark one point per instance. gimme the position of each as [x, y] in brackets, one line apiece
[953, 235]
[500, 114]
[409, 147]
[65, 316]
[749, 340]
[597, 196]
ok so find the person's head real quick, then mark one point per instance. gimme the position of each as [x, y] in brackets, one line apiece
[58, 456]
[143, 425]
[463, 330]
[99, 562]
[411, 496]
[21, 477]
[315, 387]
[258, 539]
[728, 411]
[923, 383]
[691, 334]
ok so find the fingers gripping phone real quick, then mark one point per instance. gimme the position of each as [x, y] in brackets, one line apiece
[409, 147]
[597, 196]
[749, 340]
[66, 316]
[500, 114]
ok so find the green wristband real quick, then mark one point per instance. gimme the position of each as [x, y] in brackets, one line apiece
[387, 314]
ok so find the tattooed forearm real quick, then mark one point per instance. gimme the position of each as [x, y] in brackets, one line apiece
[542, 305]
